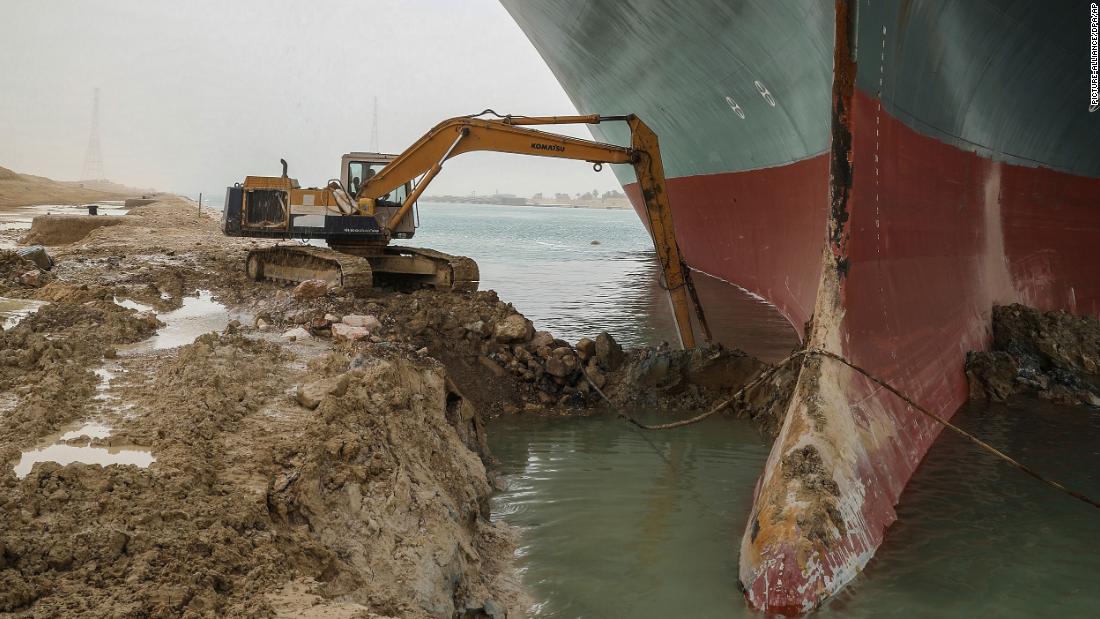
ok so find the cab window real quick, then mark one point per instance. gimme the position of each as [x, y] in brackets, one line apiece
[355, 176]
[393, 198]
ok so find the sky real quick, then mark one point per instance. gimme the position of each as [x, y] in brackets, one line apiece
[196, 95]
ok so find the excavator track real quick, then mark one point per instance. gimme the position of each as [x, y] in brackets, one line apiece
[456, 273]
[297, 263]
[401, 267]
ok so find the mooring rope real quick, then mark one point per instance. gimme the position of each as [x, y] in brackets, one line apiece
[878, 381]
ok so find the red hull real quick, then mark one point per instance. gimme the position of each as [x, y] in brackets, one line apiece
[937, 236]
[760, 229]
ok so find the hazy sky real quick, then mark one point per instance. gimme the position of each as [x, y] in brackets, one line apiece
[195, 95]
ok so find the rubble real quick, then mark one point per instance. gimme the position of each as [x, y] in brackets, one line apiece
[345, 332]
[370, 323]
[1051, 355]
[310, 289]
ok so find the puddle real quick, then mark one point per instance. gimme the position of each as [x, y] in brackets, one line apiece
[64, 454]
[198, 315]
[67, 454]
[91, 430]
[20, 218]
[14, 310]
[134, 305]
[106, 375]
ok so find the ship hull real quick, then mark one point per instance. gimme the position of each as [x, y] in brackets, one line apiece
[957, 171]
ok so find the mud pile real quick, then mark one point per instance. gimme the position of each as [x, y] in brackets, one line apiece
[497, 358]
[370, 504]
[1051, 355]
[45, 363]
[53, 230]
[16, 272]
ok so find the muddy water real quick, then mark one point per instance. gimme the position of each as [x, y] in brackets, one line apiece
[14, 310]
[544, 261]
[55, 449]
[618, 526]
[20, 218]
[199, 314]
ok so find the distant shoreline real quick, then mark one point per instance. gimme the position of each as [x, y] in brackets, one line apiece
[610, 206]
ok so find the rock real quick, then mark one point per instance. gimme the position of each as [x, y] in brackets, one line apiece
[32, 278]
[310, 289]
[297, 333]
[556, 367]
[37, 254]
[492, 366]
[507, 408]
[541, 338]
[342, 332]
[597, 377]
[370, 323]
[562, 352]
[608, 352]
[333, 318]
[422, 352]
[477, 326]
[302, 316]
[522, 354]
[992, 375]
[262, 324]
[320, 327]
[1053, 355]
[311, 394]
[586, 348]
[571, 364]
[514, 328]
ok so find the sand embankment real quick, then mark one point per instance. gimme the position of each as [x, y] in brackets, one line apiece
[26, 189]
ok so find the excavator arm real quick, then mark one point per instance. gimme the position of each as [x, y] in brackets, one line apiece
[511, 134]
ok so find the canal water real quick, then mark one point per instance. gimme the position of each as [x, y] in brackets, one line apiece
[622, 523]
[617, 523]
[576, 272]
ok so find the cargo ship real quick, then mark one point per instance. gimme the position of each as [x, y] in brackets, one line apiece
[883, 172]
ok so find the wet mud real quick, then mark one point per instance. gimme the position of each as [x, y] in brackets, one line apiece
[1051, 355]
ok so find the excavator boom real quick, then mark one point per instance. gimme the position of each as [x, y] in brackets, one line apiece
[510, 134]
[359, 227]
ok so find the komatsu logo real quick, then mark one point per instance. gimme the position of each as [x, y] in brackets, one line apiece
[553, 147]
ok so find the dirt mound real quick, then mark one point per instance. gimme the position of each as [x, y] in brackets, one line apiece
[503, 365]
[12, 268]
[45, 361]
[372, 498]
[1053, 355]
[384, 466]
[24, 189]
[52, 230]
[681, 379]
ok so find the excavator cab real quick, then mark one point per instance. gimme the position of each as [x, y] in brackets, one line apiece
[356, 169]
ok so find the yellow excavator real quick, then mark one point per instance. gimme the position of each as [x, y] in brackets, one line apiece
[370, 205]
